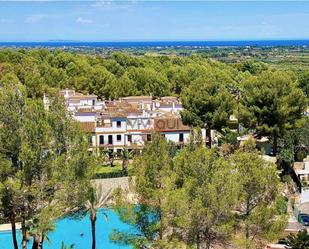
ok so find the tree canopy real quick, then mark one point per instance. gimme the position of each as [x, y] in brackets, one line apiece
[198, 199]
[46, 165]
[189, 197]
[271, 104]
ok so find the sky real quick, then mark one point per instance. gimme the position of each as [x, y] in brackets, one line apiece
[146, 20]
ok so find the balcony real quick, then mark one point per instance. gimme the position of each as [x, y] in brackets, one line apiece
[103, 125]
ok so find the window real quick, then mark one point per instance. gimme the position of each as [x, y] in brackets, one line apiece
[118, 124]
[130, 138]
[148, 137]
[118, 137]
[101, 139]
[180, 137]
[110, 139]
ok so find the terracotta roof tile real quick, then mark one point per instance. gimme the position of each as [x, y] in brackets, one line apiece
[82, 97]
[137, 97]
[88, 126]
[86, 110]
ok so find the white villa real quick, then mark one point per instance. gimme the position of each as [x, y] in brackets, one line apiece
[127, 122]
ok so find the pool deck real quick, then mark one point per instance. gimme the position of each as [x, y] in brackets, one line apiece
[7, 227]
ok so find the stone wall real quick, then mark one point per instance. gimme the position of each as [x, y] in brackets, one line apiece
[110, 184]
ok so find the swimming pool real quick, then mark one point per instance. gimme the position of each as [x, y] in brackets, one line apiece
[69, 231]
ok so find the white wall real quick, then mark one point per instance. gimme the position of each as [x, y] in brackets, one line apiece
[85, 117]
[136, 138]
[114, 136]
[113, 127]
[93, 140]
[87, 101]
[174, 136]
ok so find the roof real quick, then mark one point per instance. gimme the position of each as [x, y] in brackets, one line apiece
[72, 95]
[88, 126]
[121, 109]
[69, 91]
[74, 101]
[90, 96]
[137, 97]
[118, 115]
[169, 98]
[258, 140]
[85, 110]
[298, 165]
[304, 170]
[164, 104]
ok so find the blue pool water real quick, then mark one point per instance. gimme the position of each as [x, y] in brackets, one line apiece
[69, 230]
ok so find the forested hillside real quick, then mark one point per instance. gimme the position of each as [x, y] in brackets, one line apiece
[45, 167]
[121, 74]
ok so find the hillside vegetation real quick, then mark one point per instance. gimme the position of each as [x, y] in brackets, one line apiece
[121, 74]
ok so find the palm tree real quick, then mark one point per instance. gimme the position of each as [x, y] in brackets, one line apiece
[104, 156]
[96, 200]
[111, 158]
[63, 246]
[126, 155]
[38, 229]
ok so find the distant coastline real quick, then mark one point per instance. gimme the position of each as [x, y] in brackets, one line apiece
[158, 44]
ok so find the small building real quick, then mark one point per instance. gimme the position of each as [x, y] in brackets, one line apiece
[262, 143]
[302, 170]
[127, 122]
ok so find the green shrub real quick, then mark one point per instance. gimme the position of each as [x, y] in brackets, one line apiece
[282, 205]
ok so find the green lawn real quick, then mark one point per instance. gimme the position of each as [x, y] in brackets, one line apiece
[106, 171]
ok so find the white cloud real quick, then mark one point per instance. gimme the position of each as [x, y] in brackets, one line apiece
[35, 18]
[83, 20]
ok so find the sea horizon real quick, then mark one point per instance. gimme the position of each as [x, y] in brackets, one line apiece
[139, 44]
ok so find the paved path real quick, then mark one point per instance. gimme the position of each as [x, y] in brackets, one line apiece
[293, 225]
[7, 227]
[304, 208]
